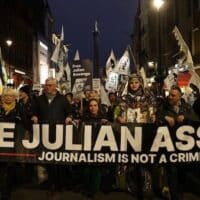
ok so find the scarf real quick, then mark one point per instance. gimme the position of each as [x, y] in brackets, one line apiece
[50, 97]
[8, 107]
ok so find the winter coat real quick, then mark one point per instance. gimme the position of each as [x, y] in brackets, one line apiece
[54, 112]
[184, 109]
[137, 107]
[15, 115]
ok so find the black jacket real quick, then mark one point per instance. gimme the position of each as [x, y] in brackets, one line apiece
[14, 115]
[54, 112]
[184, 109]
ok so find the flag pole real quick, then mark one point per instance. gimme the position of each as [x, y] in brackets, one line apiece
[134, 61]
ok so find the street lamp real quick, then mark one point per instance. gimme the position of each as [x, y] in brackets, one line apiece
[9, 44]
[158, 4]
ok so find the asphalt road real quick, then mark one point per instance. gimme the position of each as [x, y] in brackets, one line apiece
[37, 194]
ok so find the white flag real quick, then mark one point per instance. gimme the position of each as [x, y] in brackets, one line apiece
[3, 73]
[123, 65]
[77, 56]
[66, 83]
[125, 90]
[68, 71]
[110, 63]
[169, 81]
[104, 97]
[62, 34]
[112, 82]
[56, 52]
[183, 47]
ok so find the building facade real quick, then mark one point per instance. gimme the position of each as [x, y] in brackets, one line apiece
[28, 25]
[153, 40]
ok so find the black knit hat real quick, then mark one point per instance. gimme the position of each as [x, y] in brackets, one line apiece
[25, 88]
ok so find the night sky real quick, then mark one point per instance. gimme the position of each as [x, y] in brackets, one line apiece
[115, 22]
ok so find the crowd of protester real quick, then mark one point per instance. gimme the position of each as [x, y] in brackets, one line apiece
[139, 105]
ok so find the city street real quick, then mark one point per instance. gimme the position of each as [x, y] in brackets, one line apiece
[36, 194]
[30, 194]
[25, 188]
[100, 100]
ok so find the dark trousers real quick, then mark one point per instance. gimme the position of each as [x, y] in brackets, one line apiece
[92, 179]
[7, 173]
[175, 188]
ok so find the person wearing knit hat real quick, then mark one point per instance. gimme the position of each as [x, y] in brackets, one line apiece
[25, 88]
[25, 102]
[24, 93]
[135, 85]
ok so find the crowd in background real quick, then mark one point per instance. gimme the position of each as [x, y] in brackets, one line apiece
[139, 105]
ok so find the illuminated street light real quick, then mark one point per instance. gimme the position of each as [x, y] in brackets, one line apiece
[158, 4]
[9, 42]
[151, 64]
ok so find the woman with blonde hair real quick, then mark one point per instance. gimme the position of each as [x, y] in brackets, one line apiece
[9, 112]
[9, 109]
